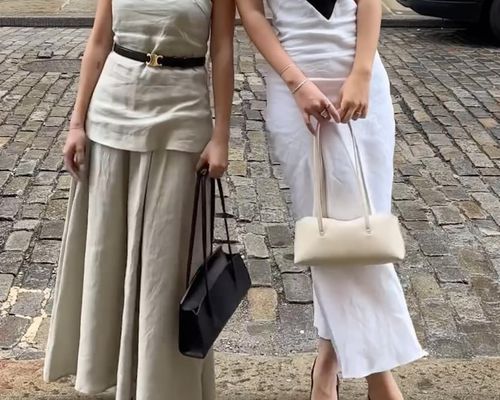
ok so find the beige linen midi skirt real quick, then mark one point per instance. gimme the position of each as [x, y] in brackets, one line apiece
[121, 277]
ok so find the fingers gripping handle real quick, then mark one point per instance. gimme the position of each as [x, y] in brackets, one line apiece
[320, 183]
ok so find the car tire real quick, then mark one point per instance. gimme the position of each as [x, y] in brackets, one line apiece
[495, 19]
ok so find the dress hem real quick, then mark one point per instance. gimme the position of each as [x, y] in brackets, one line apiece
[79, 389]
[388, 367]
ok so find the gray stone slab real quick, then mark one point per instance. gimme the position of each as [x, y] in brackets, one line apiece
[298, 288]
[56, 209]
[284, 260]
[10, 262]
[432, 244]
[260, 272]
[52, 230]
[411, 210]
[448, 214]
[37, 276]
[16, 186]
[18, 241]
[12, 328]
[46, 251]
[279, 235]
[5, 285]
[45, 178]
[26, 168]
[451, 275]
[256, 246]
[9, 207]
[26, 225]
[28, 304]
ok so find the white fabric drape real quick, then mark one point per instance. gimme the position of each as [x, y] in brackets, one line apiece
[361, 310]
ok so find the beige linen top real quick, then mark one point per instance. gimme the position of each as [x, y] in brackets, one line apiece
[139, 108]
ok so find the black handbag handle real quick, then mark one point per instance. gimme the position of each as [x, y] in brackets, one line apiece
[204, 239]
[224, 212]
[193, 227]
[200, 188]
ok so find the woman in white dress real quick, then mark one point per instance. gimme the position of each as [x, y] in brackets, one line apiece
[326, 68]
[141, 126]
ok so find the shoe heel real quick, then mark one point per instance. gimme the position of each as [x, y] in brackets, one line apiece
[312, 377]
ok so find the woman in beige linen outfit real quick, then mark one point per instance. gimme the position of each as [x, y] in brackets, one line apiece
[137, 135]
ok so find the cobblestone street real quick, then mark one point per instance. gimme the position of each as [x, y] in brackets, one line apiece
[48, 7]
[446, 91]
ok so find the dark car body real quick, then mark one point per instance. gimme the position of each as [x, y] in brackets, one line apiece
[458, 10]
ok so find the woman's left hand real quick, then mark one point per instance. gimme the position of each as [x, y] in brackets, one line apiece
[354, 95]
[215, 157]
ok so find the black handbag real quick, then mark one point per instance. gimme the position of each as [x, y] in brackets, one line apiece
[218, 286]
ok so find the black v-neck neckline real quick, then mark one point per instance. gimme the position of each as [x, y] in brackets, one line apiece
[324, 7]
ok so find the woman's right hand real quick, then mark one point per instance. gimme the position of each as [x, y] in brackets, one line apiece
[313, 103]
[74, 152]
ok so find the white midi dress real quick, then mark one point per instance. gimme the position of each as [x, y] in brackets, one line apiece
[124, 252]
[361, 310]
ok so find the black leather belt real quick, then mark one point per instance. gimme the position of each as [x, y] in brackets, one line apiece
[157, 60]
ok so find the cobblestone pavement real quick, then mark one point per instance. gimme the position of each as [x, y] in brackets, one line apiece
[446, 92]
[47, 7]
[87, 7]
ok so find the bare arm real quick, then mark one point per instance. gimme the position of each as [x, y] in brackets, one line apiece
[309, 98]
[215, 154]
[221, 51]
[356, 91]
[97, 49]
[368, 33]
[262, 35]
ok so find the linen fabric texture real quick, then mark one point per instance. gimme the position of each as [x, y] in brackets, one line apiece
[121, 277]
[122, 267]
[361, 310]
[139, 108]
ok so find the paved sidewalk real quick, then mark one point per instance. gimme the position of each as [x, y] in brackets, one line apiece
[393, 8]
[79, 13]
[446, 91]
[87, 7]
[241, 377]
[76, 8]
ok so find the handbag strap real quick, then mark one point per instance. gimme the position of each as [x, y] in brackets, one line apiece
[320, 183]
[204, 236]
[194, 219]
[224, 215]
[200, 191]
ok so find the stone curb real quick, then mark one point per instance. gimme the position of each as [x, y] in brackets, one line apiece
[47, 22]
[243, 377]
[86, 22]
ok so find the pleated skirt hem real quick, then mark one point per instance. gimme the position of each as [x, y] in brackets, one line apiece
[121, 277]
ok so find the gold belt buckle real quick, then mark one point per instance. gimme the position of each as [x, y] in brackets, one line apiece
[154, 60]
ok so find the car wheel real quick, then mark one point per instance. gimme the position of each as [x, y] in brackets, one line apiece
[495, 18]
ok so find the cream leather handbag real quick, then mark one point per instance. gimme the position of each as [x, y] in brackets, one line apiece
[369, 240]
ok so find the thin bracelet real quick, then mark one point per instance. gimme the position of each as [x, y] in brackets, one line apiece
[286, 68]
[300, 85]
